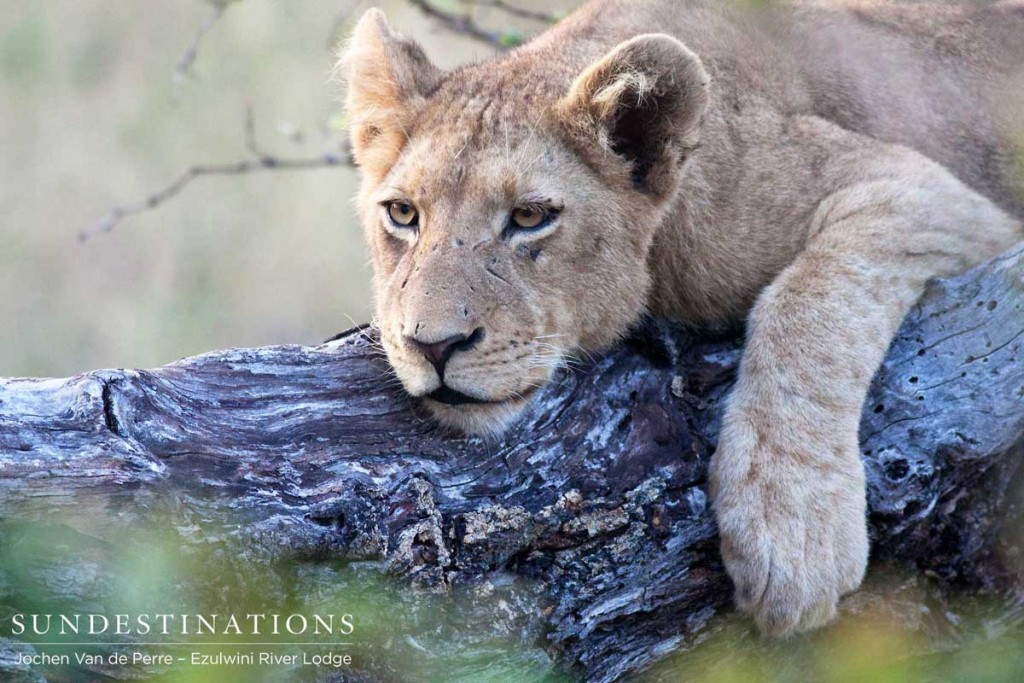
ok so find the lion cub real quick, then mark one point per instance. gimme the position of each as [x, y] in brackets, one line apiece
[711, 166]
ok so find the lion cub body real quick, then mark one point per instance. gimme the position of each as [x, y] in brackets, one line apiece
[806, 169]
[934, 78]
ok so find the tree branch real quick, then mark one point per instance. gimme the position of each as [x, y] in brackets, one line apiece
[588, 524]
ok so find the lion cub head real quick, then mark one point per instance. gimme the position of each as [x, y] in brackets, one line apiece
[510, 206]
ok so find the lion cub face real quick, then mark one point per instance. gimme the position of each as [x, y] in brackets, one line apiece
[510, 215]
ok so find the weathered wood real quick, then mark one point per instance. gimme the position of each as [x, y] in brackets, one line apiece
[590, 519]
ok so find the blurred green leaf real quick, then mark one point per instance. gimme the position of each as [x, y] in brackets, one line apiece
[22, 50]
[511, 38]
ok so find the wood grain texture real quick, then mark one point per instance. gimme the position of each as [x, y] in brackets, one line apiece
[593, 508]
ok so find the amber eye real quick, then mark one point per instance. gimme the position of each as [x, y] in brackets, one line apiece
[531, 217]
[403, 214]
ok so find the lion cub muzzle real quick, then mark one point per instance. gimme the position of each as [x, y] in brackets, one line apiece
[439, 353]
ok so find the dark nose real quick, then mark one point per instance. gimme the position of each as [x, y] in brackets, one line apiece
[438, 353]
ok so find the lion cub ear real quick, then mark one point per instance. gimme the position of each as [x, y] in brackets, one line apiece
[643, 102]
[387, 77]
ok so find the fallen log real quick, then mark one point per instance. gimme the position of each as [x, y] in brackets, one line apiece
[583, 540]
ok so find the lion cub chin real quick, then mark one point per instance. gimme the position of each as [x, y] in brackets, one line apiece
[489, 420]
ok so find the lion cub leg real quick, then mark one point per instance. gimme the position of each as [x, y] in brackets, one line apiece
[787, 479]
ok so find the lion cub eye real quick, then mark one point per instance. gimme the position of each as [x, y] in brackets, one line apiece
[531, 218]
[403, 214]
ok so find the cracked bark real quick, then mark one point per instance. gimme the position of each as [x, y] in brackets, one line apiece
[589, 520]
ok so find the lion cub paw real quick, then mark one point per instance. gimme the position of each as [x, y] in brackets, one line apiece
[794, 536]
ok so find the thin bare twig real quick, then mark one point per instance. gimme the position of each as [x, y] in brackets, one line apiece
[124, 211]
[463, 24]
[516, 11]
[262, 161]
[184, 66]
[250, 133]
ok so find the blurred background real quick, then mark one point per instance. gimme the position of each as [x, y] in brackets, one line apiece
[100, 106]
[103, 103]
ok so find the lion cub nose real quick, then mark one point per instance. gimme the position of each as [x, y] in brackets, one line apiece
[438, 353]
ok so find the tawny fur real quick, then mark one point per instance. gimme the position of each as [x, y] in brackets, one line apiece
[806, 168]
